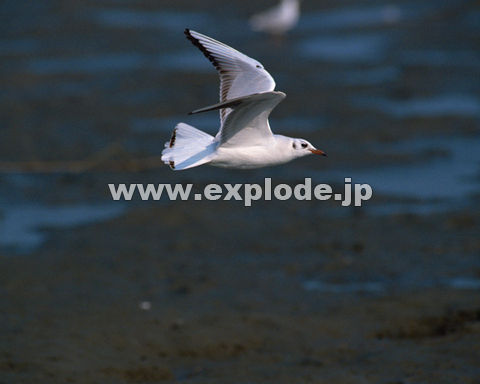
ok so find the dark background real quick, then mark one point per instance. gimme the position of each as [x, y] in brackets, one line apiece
[96, 291]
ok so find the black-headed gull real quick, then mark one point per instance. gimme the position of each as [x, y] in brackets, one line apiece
[244, 140]
[277, 20]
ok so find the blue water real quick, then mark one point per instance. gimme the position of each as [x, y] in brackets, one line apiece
[356, 17]
[441, 58]
[461, 105]
[162, 20]
[358, 48]
[383, 287]
[19, 46]
[22, 227]
[210, 122]
[366, 77]
[111, 62]
[453, 177]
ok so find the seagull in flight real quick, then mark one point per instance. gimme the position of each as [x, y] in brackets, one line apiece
[247, 98]
[277, 20]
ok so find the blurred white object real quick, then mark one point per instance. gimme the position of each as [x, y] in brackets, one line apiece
[145, 305]
[277, 20]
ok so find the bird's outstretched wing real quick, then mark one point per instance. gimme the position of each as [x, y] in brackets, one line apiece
[247, 123]
[240, 75]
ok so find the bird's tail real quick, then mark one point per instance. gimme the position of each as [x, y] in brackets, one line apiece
[188, 147]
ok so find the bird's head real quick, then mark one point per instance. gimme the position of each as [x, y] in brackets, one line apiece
[301, 147]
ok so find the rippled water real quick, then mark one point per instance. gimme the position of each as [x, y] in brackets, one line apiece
[21, 226]
[367, 48]
[454, 175]
[436, 106]
[382, 288]
[135, 19]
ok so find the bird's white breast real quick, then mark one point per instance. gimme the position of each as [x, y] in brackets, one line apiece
[247, 157]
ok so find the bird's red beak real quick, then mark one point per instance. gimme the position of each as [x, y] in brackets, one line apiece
[318, 152]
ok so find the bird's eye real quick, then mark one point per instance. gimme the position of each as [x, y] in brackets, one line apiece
[259, 66]
[294, 146]
[304, 145]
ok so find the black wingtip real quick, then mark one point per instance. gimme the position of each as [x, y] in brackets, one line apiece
[204, 50]
[190, 113]
[173, 138]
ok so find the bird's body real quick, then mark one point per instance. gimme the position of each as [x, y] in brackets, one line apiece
[278, 151]
[277, 20]
[245, 139]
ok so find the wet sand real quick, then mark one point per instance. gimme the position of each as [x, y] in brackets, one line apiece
[228, 306]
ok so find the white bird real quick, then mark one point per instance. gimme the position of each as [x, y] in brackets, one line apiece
[244, 140]
[277, 20]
